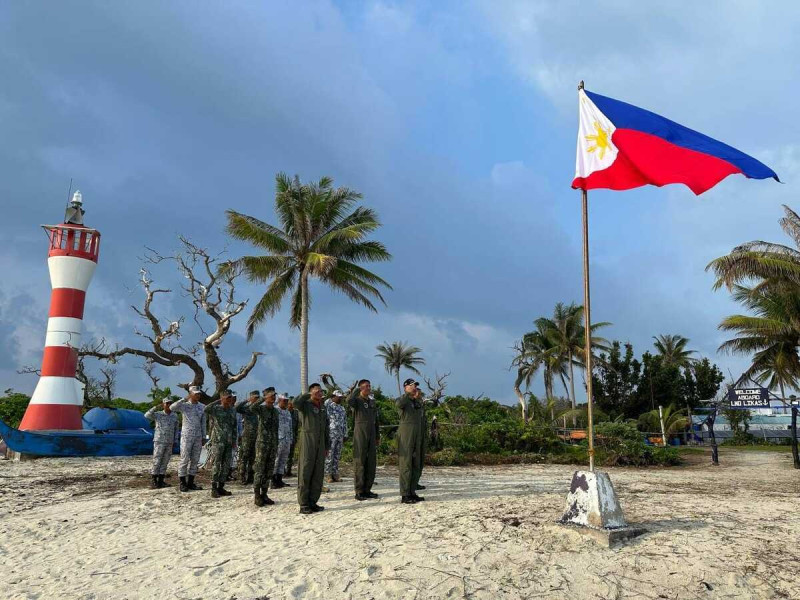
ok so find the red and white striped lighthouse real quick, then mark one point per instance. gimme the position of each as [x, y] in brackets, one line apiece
[72, 258]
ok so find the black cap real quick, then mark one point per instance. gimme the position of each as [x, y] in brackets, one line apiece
[255, 393]
[409, 381]
[269, 389]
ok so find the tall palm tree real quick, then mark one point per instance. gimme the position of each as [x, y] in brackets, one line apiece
[567, 334]
[771, 334]
[320, 236]
[399, 355]
[537, 351]
[672, 348]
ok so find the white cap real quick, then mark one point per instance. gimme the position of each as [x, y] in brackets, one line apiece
[282, 397]
[338, 393]
[195, 389]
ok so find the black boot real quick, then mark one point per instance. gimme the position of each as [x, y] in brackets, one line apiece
[161, 483]
[266, 499]
[190, 484]
[184, 487]
[417, 498]
[258, 499]
[277, 483]
[408, 500]
[154, 482]
[222, 491]
[214, 490]
[282, 482]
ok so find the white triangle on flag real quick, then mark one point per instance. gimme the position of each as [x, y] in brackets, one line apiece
[596, 150]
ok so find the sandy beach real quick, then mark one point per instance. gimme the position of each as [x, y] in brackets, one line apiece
[90, 528]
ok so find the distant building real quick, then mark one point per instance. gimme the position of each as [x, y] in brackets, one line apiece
[772, 427]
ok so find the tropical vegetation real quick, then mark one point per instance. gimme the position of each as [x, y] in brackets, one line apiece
[397, 356]
[322, 235]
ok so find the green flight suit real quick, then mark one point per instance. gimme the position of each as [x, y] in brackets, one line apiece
[295, 429]
[314, 442]
[222, 436]
[365, 441]
[423, 432]
[409, 443]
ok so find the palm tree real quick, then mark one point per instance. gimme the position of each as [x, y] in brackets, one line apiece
[320, 236]
[567, 334]
[672, 348]
[398, 355]
[537, 351]
[759, 260]
[674, 421]
[771, 334]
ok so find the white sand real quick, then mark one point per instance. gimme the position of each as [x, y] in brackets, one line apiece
[89, 528]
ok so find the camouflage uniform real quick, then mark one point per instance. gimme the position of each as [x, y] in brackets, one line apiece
[266, 442]
[337, 419]
[285, 440]
[193, 433]
[163, 438]
[223, 436]
[247, 446]
[295, 435]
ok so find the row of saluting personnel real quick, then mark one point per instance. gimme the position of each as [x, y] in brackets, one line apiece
[270, 433]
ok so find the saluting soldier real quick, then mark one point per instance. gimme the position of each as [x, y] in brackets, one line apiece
[222, 414]
[193, 435]
[285, 441]
[314, 445]
[366, 437]
[337, 418]
[295, 436]
[266, 444]
[166, 428]
[409, 442]
[247, 443]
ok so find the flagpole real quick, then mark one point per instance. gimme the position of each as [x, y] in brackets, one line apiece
[587, 317]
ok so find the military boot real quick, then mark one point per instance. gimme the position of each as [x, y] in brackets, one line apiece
[408, 500]
[266, 499]
[277, 483]
[154, 482]
[214, 490]
[161, 483]
[190, 484]
[184, 487]
[417, 498]
[282, 482]
[258, 499]
[222, 491]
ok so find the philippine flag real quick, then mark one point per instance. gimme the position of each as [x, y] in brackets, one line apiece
[621, 146]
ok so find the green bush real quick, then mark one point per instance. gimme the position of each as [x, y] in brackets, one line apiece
[12, 407]
[619, 444]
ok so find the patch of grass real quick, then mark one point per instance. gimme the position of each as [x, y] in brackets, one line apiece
[758, 448]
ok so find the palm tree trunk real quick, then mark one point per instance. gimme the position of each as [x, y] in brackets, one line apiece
[304, 333]
[523, 405]
[572, 382]
[399, 389]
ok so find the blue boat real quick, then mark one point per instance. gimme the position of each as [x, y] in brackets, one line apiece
[108, 432]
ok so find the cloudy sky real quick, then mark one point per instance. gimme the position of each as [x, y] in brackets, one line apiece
[457, 122]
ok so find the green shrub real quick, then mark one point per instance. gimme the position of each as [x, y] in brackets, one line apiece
[12, 407]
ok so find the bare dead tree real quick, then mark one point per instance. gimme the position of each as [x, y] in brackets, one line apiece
[149, 369]
[109, 382]
[213, 295]
[436, 389]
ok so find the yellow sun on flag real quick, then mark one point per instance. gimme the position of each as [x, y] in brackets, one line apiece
[600, 141]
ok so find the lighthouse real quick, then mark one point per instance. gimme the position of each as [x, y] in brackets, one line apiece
[72, 258]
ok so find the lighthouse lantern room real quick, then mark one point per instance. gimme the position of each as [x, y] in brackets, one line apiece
[72, 258]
